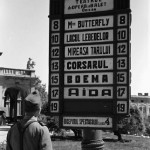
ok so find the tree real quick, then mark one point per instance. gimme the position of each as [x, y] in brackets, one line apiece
[45, 108]
[135, 123]
[147, 126]
[42, 90]
[44, 96]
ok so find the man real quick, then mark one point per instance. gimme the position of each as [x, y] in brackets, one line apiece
[29, 134]
[2, 118]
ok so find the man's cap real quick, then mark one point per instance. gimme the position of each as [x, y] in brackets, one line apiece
[33, 102]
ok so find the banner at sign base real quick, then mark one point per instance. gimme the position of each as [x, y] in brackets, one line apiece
[93, 122]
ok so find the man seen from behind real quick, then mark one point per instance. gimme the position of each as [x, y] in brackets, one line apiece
[29, 134]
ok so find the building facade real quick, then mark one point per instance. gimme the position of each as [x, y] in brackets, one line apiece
[15, 84]
[142, 101]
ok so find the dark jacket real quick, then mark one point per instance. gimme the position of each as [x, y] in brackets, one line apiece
[36, 136]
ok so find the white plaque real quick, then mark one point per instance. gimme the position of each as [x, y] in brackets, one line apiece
[54, 77]
[96, 64]
[121, 107]
[55, 93]
[55, 51]
[122, 92]
[122, 63]
[99, 122]
[102, 78]
[122, 19]
[89, 50]
[122, 34]
[121, 77]
[89, 23]
[55, 25]
[55, 65]
[85, 6]
[88, 37]
[88, 92]
[122, 48]
[54, 106]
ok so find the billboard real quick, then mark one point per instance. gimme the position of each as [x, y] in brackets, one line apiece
[89, 62]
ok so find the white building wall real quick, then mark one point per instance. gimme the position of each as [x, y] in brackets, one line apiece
[12, 78]
[1, 96]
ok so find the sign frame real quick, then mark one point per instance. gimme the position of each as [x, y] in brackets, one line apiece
[118, 36]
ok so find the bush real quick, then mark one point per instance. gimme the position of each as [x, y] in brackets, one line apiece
[147, 131]
[147, 126]
[45, 108]
[135, 123]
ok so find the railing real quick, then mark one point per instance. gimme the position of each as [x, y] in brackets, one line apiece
[16, 72]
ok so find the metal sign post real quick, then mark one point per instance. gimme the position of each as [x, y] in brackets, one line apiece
[89, 73]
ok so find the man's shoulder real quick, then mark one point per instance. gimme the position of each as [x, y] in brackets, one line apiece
[30, 122]
[39, 124]
[42, 125]
[12, 126]
[12, 129]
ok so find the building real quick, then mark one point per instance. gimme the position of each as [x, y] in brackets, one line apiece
[15, 84]
[142, 101]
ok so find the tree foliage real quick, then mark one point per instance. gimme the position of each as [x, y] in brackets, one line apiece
[45, 108]
[135, 123]
[42, 90]
[147, 126]
[44, 96]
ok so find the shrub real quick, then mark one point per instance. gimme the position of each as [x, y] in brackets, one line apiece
[135, 123]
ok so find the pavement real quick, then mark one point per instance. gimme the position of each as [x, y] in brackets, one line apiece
[3, 133]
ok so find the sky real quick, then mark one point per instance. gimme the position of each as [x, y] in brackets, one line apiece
[24, 33]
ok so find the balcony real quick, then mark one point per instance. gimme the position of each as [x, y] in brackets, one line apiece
[10, 72]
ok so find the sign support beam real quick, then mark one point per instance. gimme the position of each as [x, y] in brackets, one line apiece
[92, 140]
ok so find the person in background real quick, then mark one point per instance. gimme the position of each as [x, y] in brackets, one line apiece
[3, 119]
[29, 134]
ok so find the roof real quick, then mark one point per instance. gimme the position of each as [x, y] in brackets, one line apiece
[141, 98]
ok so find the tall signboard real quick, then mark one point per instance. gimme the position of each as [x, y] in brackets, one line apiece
[89, 73]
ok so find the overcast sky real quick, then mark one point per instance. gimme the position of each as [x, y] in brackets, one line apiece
[24, 33]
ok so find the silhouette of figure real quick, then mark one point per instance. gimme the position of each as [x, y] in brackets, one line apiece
[30, 64]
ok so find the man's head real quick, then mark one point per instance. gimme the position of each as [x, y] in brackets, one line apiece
[33, 103]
